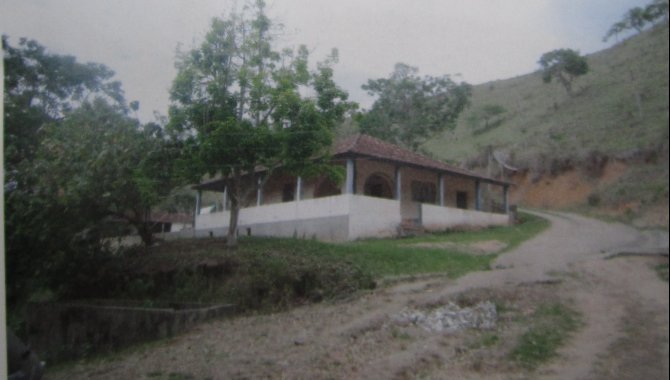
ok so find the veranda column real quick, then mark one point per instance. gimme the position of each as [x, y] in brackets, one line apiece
[478, 196]
[398, 184]
[350, 187]
[506, 199]
[440, 186]
[259, 192]
[298, 189]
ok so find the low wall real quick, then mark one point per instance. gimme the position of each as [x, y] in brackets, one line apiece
[331, 229]
[436, 218]
[63, 331]
[337, 218]
[278, 212]
[373, 217]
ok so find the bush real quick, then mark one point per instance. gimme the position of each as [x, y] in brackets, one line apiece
[260, 274]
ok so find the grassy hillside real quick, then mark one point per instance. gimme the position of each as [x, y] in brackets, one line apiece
[618, 117]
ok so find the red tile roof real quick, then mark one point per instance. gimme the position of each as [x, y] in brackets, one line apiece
[361, 145]
[368, 146]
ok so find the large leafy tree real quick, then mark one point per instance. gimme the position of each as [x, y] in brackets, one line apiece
[409, 109]
[240, 105]
[73, 158]
[40, 89]
[102, 165]
[563, 65]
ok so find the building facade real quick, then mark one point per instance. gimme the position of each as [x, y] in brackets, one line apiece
[386, 188]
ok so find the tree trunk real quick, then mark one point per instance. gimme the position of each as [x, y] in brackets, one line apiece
[144, 230]
[231, 240]
[143, 227]
[566, 83]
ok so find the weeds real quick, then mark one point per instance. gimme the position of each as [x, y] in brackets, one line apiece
[550, 326]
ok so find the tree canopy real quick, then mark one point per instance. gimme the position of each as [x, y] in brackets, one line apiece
[74, 159]
[638, 18]
[41, 87]
[409, 109]
[240, 104]
[102, 164]
[564, 65]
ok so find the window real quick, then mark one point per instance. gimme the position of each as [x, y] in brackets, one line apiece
[462, 199]
[423, 192]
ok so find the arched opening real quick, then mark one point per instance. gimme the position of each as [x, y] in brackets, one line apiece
[327, 188]
[378, 186]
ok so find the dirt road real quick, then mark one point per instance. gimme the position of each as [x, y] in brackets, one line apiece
[623, 303]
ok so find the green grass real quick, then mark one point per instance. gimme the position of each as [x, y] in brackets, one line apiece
[541, 118]
[272, 272]
[396, 257]
[546, 131]
[550, 325]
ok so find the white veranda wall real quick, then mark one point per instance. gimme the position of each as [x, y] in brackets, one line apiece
[435, 218]
[373, 217]
[335, 218]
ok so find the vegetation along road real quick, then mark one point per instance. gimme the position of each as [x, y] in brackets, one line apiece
[580, 301]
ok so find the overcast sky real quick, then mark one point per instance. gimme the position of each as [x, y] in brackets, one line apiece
[481, 40]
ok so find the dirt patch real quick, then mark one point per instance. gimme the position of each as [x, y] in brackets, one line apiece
[612, 171]
[563, 190]
[486, 247]
[568, 188]
[324, 342]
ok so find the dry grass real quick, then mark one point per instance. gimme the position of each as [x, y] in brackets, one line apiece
[619, 113]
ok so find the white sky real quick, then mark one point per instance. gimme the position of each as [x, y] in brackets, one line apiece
[481, 40]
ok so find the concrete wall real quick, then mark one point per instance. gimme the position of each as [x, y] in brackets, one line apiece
[336, 218]
[60, 331]
[436, 218]
[373, 217]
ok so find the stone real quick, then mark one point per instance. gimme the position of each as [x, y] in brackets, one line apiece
[450, 317]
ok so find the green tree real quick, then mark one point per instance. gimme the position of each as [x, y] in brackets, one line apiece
[74, 159]
[657, 11]
[100, 163]
[564, 65]
[239, 105]
[410, 109]
[40, 89]
[638, 18]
